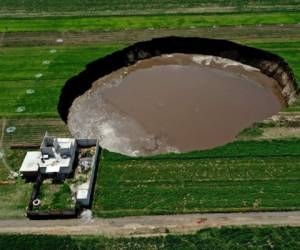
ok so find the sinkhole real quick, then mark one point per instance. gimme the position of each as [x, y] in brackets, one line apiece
[175, 95]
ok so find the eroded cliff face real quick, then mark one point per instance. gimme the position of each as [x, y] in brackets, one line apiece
[281, 72]
[268, 63]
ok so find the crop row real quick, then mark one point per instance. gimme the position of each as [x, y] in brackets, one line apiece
[114, 23]
[23, 69]
[213, 238]
[240, 176]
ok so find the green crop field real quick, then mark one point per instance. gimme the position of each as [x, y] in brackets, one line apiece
[223, 238]
[245, 175]
[146, 22]
[18, 70]
[14, 199]
[241, 176]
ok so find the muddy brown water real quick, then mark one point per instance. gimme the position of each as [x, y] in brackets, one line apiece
[174, 103]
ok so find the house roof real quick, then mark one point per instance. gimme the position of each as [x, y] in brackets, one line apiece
[30, 161]
[53, 165]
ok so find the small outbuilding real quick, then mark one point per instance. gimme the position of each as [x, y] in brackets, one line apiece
[30, 165]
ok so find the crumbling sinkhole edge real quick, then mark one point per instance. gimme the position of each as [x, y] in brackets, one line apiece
[270, 64]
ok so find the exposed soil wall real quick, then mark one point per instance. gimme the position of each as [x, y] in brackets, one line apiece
[270, 64]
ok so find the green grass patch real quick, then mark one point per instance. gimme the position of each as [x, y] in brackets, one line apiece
[215, 238]
[14, 158]
[20, 65]
[55, 196]
[14, 199]
[4, 171]
[112, 23]
[251, 132]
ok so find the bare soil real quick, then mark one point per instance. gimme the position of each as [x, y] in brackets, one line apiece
[148, 225]
[239, 33]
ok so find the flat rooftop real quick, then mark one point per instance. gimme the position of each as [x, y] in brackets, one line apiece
[30, 162]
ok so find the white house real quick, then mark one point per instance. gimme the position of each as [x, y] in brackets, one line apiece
[56, 157]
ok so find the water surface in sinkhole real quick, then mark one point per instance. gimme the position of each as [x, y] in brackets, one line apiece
[174, 103]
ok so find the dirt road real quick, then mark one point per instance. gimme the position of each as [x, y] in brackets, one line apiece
[235, 33]
[148, 225]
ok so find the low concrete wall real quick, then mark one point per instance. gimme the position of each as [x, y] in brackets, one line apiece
[86, 142]
[96, 164]
[94, 168]
[50, 215]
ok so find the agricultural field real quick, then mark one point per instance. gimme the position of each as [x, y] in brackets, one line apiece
[14, 199]
[39, 52]
[24, 69]
[224, 238]
[112, 23]
[19, 8]
[241, 176]
[55, 196]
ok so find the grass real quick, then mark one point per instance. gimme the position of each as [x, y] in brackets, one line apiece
[14, 199]
[218, 238]
[241, 176]
[14, 194]
[55, 196]
[252, 132]
[20, 65]
[112, 23]
[13, 159]
[4, 172]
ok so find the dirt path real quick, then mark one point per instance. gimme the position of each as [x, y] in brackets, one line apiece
[112, 9]
[237, 33]
[148, 225]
